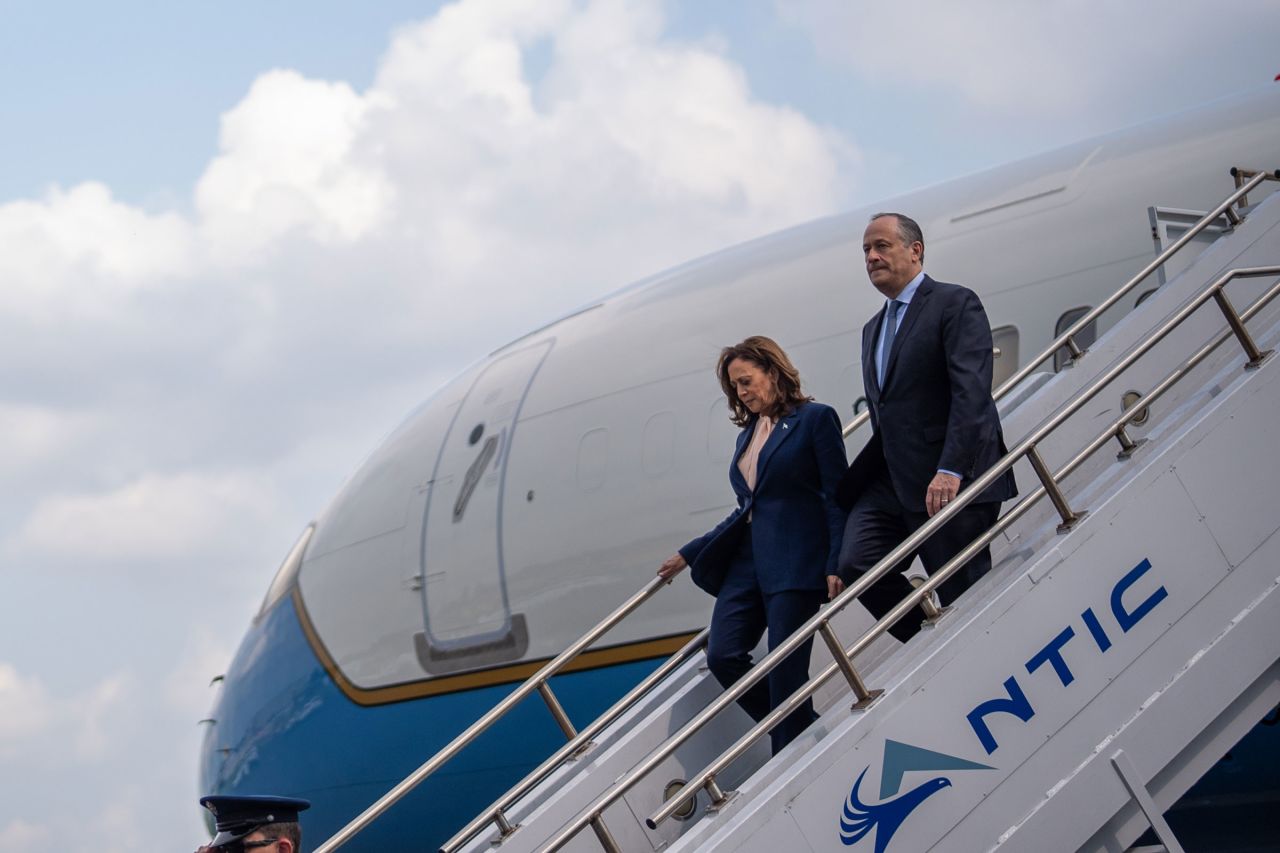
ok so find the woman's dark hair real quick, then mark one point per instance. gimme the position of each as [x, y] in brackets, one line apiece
[765, 354]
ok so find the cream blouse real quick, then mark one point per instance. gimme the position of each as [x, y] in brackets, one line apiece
[750, 456]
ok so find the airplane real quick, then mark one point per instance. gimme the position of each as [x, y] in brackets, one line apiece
[541, 487]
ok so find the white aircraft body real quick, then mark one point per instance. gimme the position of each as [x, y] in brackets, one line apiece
[536, 491]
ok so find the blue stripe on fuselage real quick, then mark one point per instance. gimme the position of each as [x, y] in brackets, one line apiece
[291, 732]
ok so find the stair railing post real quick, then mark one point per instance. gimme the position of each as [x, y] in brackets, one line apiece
[1127, 444]
[505, 826]
[1069, 516]
[1074, 348]
[557, 710]
[859, 687]
[1256, 356]
[716, 793]
[604, 836]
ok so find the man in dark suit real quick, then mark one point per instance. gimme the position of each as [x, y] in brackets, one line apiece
[926, 368]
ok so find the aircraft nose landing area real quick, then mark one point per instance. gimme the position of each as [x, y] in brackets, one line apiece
[278, 700]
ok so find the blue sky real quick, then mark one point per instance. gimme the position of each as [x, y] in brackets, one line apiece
[130, 93]
[241, 240]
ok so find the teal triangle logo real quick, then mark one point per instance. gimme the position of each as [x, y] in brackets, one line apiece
[900, 757]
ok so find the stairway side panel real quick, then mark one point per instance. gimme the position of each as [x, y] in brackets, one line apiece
[1018, 683]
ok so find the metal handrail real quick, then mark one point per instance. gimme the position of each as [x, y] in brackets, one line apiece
[496, 811]
[921, 593]
[579, 740]
[1245, 180]
[821, 622]
[536, 682]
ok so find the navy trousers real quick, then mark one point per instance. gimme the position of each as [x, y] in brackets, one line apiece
[741, 615]
[879, 523]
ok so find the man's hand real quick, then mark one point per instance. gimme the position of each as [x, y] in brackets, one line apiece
[942, 490]
[671, 567]
[835, 586]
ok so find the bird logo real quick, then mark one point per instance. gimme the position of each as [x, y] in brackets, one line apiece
[859, 819]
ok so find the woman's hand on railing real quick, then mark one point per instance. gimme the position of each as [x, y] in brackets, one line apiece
[671, 567]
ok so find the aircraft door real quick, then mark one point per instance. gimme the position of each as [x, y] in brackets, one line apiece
[467, 616]
[1170, 223]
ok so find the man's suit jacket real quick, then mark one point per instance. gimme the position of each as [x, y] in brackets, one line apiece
[935, 410]
[796, 526]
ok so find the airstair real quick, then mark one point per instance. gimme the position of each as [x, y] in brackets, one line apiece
[1127, 636]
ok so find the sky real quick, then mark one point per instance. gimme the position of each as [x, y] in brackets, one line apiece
[240, 241]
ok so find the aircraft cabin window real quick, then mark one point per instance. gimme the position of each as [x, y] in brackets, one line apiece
[657, 448]
[593, 459]
[1005, 364]
[1084, 338]
[721, 433]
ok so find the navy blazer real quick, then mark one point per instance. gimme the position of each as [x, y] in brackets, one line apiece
[795, 527]
[935, 410]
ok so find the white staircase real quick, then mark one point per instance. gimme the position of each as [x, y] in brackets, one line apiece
[1107, 675]
[1127, 636]
[1073, 695]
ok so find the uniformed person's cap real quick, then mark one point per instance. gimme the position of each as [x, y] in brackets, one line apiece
[236, 817]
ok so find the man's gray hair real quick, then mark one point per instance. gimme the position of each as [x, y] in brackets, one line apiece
[908, 229]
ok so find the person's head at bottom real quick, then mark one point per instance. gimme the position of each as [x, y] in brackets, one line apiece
[255, 824]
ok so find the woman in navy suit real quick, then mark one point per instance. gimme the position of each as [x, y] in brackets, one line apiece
[772, 562]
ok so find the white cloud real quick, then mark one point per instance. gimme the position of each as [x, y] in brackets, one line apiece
[79, 250]
[41, 726]
[96, 715]
[287, 163]
[18, 836]
[710, 141]
[1063, 60]
[628, 153]
[122, 823]
[186, 688]
[33, 436]
[336, 224]
[349, 244]
[155, 516]
[26, 709]
[181, 390]
[121, 758]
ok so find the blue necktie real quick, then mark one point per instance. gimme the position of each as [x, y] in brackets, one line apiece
[886, 343]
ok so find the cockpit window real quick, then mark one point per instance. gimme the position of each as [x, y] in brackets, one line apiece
[288, 570]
